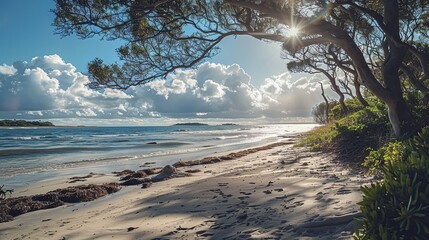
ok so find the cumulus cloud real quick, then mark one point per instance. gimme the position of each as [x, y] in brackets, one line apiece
[7, 70]
[48, 87]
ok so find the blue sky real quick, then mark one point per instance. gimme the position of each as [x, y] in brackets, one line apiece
[27, 33]
[41, 77]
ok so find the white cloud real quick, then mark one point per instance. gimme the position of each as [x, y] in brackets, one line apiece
[49, 87]
[211, 90]
[86, 113]
[35, 113]
[7, 70]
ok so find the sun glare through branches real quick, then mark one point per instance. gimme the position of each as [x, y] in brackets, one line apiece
[293, 31]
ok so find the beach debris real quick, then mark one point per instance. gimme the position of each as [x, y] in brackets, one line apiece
[85, 193]
[193, 170]
[131, 229]
[165, 173]
[137, 174]
[168, 172]
[80, 179]
[231, 156]
[147, 163]
[139, 177]
[3, 193]
[13, 207]
[180, 228]
[133, 181]
[146, 184]
[123, 172]
[151, 171]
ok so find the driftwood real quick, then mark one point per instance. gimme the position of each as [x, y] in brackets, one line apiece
[231, 156]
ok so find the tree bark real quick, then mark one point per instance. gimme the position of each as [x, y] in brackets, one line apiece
[400, 116]
[401, 119]
[327, 103]
[359, 93]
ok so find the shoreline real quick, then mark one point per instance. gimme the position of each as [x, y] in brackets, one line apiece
[215, 198]
[104, 150]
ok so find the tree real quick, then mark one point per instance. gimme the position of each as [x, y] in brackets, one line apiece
[314, 60]
[163, 35]
[321, 111]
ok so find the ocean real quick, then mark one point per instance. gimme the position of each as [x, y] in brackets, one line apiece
[28, 155]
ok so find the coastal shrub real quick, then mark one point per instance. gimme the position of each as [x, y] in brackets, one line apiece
[351, 137]
[318, 139]
[353, 105]
[319, 112]
[398, 206]
[419, 104]
[378, 158]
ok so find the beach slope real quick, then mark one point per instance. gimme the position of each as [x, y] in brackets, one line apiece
[278, 193]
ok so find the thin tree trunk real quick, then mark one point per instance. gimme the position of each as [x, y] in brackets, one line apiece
[359, 93]
[327, 103]
[337, 90]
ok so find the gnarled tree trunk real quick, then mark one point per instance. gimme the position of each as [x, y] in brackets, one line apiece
[359, 96]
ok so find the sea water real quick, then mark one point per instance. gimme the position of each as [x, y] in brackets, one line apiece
[28, 155]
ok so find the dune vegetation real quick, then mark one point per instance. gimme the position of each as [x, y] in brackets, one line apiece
[395, 206]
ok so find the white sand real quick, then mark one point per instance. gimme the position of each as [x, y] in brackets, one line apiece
[282, 193]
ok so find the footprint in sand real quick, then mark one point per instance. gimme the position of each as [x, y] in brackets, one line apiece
[282, 197]
[245, 193]
[243, 197]
[343, 191]
[319, 196]
[295, 204]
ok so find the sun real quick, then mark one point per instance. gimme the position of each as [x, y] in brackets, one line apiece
[293, 31]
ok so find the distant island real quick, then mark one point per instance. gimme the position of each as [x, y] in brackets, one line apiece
[24, 123]
[190, 124]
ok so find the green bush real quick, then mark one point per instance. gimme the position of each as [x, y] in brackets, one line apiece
[319, 112]
[389, 153]
[319, 139]
[352, 104]
[419, 104]
[351, 137]
[398, 206]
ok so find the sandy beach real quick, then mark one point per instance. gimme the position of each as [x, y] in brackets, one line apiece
[278, 193]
